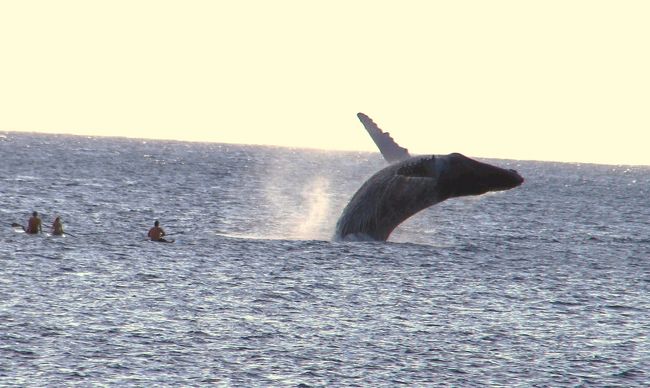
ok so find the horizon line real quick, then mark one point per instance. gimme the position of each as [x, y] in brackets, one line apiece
[302, 147]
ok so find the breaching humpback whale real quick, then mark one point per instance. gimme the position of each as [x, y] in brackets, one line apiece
[411, 184]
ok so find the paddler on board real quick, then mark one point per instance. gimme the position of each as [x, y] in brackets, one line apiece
[57, 227]
[156, 233]
[34, 224]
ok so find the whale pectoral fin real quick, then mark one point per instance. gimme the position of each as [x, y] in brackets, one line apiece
[420, 168]
[391, 151]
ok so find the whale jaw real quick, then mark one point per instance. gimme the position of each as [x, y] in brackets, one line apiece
[465, 176]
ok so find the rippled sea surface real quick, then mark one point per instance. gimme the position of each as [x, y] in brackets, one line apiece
[544, 285]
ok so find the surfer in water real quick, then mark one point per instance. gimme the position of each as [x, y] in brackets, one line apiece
[57, 227]
[156, 233]
[34, 224]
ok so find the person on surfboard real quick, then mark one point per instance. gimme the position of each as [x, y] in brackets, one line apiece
[156, 233]
[57, 227]
[34, 224]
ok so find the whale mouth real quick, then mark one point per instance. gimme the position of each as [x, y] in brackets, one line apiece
[472, 177]
[517, 177]
[506, 179]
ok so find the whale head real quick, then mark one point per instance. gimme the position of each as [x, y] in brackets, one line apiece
[465, 176]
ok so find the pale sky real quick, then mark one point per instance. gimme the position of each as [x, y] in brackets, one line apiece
[541, 80]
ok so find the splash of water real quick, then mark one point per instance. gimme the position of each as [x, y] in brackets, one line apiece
[315, 200]
[297, 213]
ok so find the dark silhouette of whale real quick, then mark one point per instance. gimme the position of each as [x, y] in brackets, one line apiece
[411, 184]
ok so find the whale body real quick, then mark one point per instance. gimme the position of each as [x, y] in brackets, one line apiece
[412, 184]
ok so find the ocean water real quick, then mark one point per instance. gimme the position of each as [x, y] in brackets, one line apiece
[543, 285]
